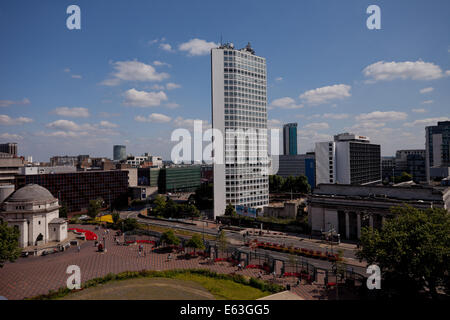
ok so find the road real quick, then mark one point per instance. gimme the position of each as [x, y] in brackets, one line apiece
[238, 238]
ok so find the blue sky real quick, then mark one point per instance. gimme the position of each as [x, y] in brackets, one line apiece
[137, 70]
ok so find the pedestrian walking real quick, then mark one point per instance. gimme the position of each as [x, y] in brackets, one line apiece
[79, 248]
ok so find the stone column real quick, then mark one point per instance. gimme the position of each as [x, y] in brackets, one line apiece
[347, 225]
[383, 220]
[358, 225]
[371, 220]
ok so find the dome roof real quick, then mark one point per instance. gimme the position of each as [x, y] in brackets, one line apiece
[31, 193]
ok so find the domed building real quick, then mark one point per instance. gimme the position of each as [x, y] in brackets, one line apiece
[35, 212]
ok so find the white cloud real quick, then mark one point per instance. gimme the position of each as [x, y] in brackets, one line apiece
[365, 125]
[107, 124]
[426, 90]
[171, 86]
[197, 47]
[387, 71]
[133, 71]
[382, 116]
[427, 102]
[160, 63]
[421, 110]
[76, 76]
[64, 125]
[157, 87]
[154, 117]
[183, 123]
[286, 103]
[426, 122]
[10, 136]
[166, 47]
[67, 128]
[336, 116]
[144, 99]
[274, 123]
[7, 103]
[72, 112]
[172, 105]
[278, 78]
[317, 126]
[6, 120]
[66, 70]
[326, 94]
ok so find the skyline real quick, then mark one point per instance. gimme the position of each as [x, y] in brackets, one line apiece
[133, 76]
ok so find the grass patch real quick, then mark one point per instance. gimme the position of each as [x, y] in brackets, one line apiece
[224, 289]
[176, 231]
[222, 286]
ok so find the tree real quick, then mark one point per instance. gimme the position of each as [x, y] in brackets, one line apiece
[301, 184]
[171, 210]
[403, 178]
[230, 210]
[195, 242]
[94, 208]
[115, 217]
[412, 250]
[222, 241]
[9, 243]
[169, 238]
[275, 183]
[160, 205]
[130, 224]
[191, 210]
[63, 211]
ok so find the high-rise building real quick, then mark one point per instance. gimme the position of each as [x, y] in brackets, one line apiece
[239, 112]
[290, 139]
[10, 148]
[120, 153]
[437, 146]
[349, 159]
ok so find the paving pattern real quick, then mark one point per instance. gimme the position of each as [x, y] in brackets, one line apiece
[28, 277]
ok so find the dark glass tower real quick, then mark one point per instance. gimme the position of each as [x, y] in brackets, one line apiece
[290, 139]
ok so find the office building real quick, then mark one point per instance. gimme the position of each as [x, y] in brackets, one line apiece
[296, 165]
[239, 112]
[437, 146]
[119, 153]
[10, 148]
[76, 189]
[387, 168]
[290, 139]
[349, 159]
[174, 179]
[63, 161]
[9, 168]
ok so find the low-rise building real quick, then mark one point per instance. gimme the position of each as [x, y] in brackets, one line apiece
[35, 212]
[287, 209]
[347, 208]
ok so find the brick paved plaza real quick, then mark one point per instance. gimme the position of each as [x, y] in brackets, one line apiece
[28, 277]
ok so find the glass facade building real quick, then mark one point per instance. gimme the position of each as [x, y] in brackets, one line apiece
[290, 139]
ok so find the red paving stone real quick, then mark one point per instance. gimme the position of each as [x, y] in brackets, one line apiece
[32, 276]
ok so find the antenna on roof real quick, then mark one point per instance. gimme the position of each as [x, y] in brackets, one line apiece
[221, 40]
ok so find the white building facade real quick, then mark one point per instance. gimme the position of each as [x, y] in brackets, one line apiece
[349, 159]
[35, 212]
[239, 112]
